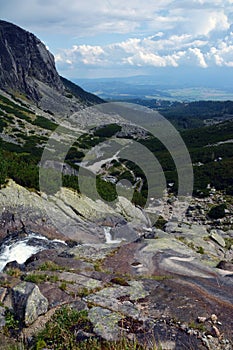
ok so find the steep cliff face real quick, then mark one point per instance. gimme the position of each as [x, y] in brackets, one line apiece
[27, 67]
[24, 59]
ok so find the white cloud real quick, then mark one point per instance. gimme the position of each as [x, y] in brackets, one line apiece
[142, 52]
[87, 54]
[199, 56]
[79, 18]
[157, 33]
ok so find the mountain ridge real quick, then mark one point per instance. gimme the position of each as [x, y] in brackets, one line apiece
[28, 68]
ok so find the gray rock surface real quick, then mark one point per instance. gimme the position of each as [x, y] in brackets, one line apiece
[50, 214]
[25, 59]
[28, 302]
[217, 238]
[105, 323]
[2, 317]
[28, 68]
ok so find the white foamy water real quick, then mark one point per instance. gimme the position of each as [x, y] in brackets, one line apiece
[108, 236]
[21, 250]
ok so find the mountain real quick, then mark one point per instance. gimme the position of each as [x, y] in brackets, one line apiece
[28, 68]
[174, 84]
[80, 272]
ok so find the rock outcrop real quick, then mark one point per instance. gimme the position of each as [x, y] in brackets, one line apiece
[137, 291]
[28, 302]
[27, 68]
[65, 215]
[24, 60]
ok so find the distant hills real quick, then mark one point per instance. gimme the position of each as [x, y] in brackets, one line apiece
[172, 84]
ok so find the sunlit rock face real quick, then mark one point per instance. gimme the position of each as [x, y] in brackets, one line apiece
[24, 60]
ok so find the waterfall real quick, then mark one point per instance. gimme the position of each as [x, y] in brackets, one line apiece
[108, 236]
[21, 249]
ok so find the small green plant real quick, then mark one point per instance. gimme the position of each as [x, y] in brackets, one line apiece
[160, 223]
[63, 286]
[200, 326]
[50, 266]
[184, 240]
[156, 277]
[84, 292]
[191, 245]
[120, 280]
[14, 272]
[228, 242]
[98, 266]
[53, 278]
[12, 324]
[35, 278]
[59, 332]
[200, 250]
[40, 344]
[40, 278]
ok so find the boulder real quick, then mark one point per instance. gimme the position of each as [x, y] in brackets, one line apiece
[125, 232]
[105, 323]
[225, 265]
[217, 238]
[28, 302]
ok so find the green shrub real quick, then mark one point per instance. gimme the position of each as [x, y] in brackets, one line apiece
[50, 266]
[40, 278]
[217, 212]
[11, 322]
[160, 223]
[108, 130]
[200, 250]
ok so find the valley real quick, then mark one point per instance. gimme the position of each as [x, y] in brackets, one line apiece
[116, 221]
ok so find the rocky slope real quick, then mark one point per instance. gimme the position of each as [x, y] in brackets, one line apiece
[92, 271]
[66, 215]
[169, 288]
[28, 68]
[138, 291]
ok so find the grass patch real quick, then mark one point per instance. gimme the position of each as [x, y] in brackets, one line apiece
[14, 272]
[156, 277]
[12, 324]
[228, 242]
[40, 278]
[59, 333]
[200, 326]
[63, 286]
[50, 266]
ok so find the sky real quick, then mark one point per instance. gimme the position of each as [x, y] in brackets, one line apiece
[119, 38]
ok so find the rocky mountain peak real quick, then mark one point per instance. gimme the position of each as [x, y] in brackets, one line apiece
[25, 59]
[28, 68]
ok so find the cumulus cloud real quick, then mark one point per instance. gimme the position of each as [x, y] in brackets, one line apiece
[158, 33]
[172, 51]
[199, 56]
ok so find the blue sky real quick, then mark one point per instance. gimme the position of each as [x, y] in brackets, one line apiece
[106, 38]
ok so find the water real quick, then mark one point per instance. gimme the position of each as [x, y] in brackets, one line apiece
[23, 248]
[108, 236]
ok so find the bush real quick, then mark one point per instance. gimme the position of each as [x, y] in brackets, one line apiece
[217, 212]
